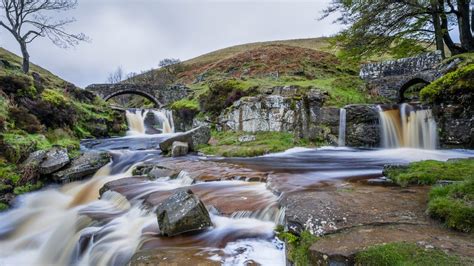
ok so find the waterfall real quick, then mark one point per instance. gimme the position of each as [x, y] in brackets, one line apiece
[165, 117]
[342, 128]
[136, 121]
[408, 127]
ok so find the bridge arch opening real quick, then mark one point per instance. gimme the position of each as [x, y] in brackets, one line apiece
[410, 91]
[135, 92]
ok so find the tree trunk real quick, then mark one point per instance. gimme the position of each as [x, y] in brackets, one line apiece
[453, 48]
[465, 35]
[26, 57]
[437, 28]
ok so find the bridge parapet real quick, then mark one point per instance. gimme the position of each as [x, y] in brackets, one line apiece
[403, 66]
[160, 95]
[391, 78]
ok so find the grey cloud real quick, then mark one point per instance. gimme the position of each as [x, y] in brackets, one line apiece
[136, 34]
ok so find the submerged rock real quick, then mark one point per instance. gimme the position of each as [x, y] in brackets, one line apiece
[195, 137]
[83, 166]
[179, 149]
[56, 158]
[154, 171]
[182, 212]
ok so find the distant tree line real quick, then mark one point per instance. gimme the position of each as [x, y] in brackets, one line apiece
[403, 26]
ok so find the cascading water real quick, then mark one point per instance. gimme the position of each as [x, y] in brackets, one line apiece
[165, 118]
[408, 127]
[342, 128]
[136, 121]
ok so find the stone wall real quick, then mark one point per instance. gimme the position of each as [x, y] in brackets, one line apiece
[455, 120]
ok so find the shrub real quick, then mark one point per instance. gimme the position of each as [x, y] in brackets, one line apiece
[25, 121]
[17, 84]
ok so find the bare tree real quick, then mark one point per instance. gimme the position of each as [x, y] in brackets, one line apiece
[171, 68]
[116, 76]
[27, 20]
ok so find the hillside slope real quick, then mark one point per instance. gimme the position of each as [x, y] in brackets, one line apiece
[39, 111]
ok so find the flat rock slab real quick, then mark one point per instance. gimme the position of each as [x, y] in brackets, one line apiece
[173, 256]
[341, 248]
[238, 195]
[85, 165]
[355, 204]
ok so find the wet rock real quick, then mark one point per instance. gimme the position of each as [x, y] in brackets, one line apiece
[154, 171]
[182, 212]
[55, 159]
[179, 149]
[120, 184]
[247, 138]
[362, 126]
[195, 137]
[380, 182]
[83, 166]
[173, 256]
[7, 198]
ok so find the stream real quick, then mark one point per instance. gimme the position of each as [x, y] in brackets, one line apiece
[72, 224]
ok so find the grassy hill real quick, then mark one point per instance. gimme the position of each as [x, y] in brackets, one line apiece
[307, 63]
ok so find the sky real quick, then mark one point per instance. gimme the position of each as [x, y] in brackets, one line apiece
[137, 34]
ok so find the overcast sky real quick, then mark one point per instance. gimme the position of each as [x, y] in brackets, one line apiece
[137, 34]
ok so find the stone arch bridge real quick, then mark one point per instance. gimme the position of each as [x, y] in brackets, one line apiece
[390, 79]
[158, 94]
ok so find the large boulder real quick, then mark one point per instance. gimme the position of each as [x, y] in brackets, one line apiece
[83, 166]
[55, 159]
[179, 149]
[182, 212]
[195, 137]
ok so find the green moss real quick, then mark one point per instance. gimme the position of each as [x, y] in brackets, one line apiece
[428, 172]
[298, 246]
[454, 205]
[54, 97]
[185, 104]
[451, 83]
[228, 145]
[8, 171]
[27, 188]
[404, 254]
[18, 144]
[3, 207]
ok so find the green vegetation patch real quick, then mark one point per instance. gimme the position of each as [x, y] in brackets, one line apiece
[185, 104]
[227, 144]
[451, 83]
[298, 246]
[3, 207]
[404, 254]
[454, 204]
[8, 171]
[27, 188]
[428, 172]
